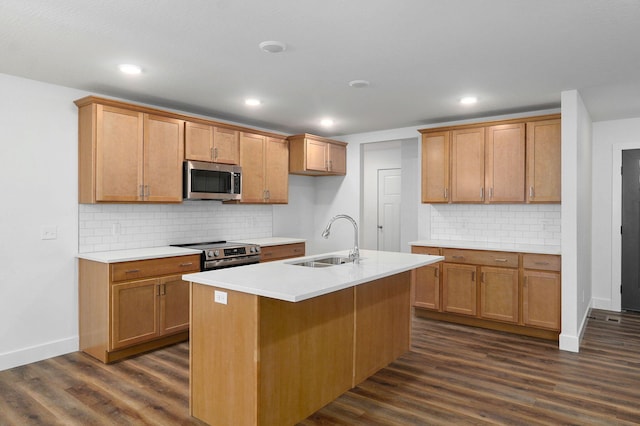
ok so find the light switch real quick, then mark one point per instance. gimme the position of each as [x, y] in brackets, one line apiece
[49, 233]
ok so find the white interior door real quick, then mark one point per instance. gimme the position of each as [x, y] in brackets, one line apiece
[389, 190]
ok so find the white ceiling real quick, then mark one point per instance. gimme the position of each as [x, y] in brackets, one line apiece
[420, 56]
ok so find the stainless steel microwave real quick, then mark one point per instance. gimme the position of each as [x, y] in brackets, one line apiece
[211, 181]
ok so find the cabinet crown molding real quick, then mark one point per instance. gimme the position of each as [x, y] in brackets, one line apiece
[490, 123]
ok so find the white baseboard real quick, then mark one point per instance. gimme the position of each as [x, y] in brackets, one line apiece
[571, 343]
[38, 353]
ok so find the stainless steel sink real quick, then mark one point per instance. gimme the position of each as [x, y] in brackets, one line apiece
[324, 262]
[334, 260]
[312, 264]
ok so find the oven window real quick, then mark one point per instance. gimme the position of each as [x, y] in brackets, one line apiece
[210, 181]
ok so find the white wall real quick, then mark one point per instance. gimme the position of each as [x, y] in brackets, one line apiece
[609, 139]
[38, 187]
[576, 219]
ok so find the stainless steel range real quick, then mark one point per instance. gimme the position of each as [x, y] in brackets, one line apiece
[224, 254]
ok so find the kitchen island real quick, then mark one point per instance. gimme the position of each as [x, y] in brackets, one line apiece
[272, 343]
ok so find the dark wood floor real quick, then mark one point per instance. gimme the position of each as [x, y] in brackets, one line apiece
[453, 375]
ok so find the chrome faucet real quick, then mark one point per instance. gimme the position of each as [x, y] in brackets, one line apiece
[354, 253]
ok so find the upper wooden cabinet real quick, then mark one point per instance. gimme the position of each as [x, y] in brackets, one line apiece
[504, 163]
[211, 143]
[435, 167]
[128, 156]
[131, 153]
[316, 156]
[543, 161]
[265, 169]
[467, 166]
[510, 161]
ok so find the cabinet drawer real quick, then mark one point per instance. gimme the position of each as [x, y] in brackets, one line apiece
[544, 262]
[284, 251]
[434, 251]
[481, 257]
[138, 269]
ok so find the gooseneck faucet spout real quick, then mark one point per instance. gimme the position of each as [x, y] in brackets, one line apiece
[354, 253]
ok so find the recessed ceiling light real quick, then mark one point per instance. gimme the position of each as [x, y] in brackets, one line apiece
[130, 69]
[272, 46]
[326, 122]
[252, 102]
[359, 84]
[468, 100]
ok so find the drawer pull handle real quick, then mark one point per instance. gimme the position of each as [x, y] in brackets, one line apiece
[458, 257]
[541, 263]
[186, 264]
[297, 250]
[500, 260]
[132, 271]
[473, 276]
[436, 272]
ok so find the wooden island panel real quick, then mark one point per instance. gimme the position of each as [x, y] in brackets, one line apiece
[263, 361]
[383, 318]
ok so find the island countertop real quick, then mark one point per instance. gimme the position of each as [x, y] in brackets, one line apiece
[283, 280]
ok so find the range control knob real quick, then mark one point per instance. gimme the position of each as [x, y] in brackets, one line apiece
[210, 253]
[216, 253]
[252, 250]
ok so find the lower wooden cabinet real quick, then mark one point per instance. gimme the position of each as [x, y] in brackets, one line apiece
[131, 307]
[516, 292]
[281, 251]
[541, 299]
[499, 294]
[147, 309]
[459, 290]
[425, 290]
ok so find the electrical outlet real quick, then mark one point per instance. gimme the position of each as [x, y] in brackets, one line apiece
[220, 297]
[115, 229]
[49, 233]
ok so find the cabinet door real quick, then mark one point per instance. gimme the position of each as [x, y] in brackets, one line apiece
[499, 294]
[119, 151]
[277, 171]
[541, 299]
[134, 312]
[316, 155]
[174, 304]
[435, 167]
[252, 155]
[426, 290]
[163, 154]
[337, 159]
[226, 146]
[504, 162]
[467, 165]
[459, 289]
[198, 142]
[543, 161]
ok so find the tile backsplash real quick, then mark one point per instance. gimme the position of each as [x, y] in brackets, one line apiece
[105, 227]
[512, 223]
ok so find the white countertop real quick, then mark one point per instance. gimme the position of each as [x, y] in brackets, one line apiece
[271, 241]
[480, 245]
[293, 283]
[115, 256]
